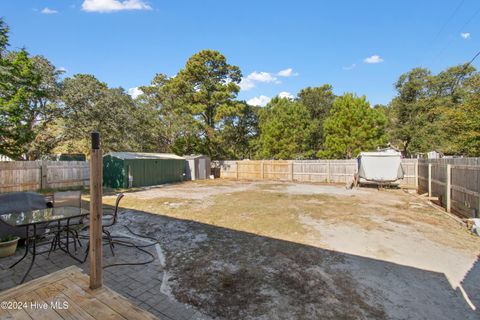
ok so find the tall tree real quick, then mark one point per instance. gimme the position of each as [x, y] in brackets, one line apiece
[171, 126]
[351, 127]
[202, 96]
[90, 105]
[422, 101]
[462, 123]
[212, 86]
[318, 101]
[407, 107]
[43, 107]
[238, 133]
[285, 130]
[17, 82]
[3, 37]
[29, 88]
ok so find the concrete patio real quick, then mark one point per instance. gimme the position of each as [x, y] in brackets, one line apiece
[141, 284]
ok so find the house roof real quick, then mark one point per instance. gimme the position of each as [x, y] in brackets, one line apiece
[144, 155]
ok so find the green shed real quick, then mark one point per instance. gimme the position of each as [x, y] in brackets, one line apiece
[137, 169]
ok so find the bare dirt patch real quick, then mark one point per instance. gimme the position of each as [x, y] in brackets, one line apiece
[244, 250]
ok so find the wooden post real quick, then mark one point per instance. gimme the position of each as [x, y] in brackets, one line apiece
[328, 171]
[262, 170]
[291, 170]
[43, 175]
[416, 175]
[449, 188]
[430, 180]
[477, 214]
[96, 163]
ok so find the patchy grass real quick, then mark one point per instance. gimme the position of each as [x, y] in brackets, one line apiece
[268, 211]
[239, 250]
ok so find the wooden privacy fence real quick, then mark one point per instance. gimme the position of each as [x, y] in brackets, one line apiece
[34, 175]
[328, 171]
[456, 182]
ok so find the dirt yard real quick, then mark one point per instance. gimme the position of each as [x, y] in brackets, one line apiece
[259, 250]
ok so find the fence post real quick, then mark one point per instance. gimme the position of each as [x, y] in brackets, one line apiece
[96, 271]
[262, 171]
[449, 188]
[43, 175]
[236, 171]
[429, 179]
[477, 214]
[291, 170]
[416, 174]
[328, 171]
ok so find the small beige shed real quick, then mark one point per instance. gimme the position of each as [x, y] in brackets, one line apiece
[197, 167]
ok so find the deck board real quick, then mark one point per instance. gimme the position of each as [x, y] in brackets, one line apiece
[71, 286]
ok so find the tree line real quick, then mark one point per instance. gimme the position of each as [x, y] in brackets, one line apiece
[197, 111]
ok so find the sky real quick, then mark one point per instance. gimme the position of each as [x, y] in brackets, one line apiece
[280, 46]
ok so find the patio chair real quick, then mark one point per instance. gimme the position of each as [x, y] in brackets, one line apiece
[110, 218]
[69, 199]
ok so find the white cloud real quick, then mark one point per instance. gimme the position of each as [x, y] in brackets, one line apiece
[62, 69]
[465, 35]
[254, 77]
[373, 59]
[287, 73]
[350, 67]
[259, 101]
[114, 5]
[262, 77]
[285, 94]
[134, 92]
[246, 84]
[48, 11]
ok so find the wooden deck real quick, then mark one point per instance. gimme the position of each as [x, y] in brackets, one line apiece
[65, 294]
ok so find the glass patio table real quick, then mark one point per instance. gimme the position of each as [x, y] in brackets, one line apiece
[32, 219]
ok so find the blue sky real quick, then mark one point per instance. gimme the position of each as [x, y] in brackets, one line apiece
[280, 46]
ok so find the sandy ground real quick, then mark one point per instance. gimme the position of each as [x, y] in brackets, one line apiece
[260, 250]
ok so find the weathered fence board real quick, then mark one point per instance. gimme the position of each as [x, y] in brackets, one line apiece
[19, 176]
[34, 175]
[410, 171]
[423, 177]
[328, 171]
[276, 170]
[462, 194]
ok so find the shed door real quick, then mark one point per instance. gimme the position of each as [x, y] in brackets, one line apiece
[202, 164]
[130, 176]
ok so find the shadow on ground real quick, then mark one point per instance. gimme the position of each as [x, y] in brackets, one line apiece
[471, 286]
[228, 274]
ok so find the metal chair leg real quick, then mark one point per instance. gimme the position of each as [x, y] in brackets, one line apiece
[27, 245]
[86, 252]
[78, 238]
[74, 241]
[53, 245]
[34, 253]
[110, 240]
